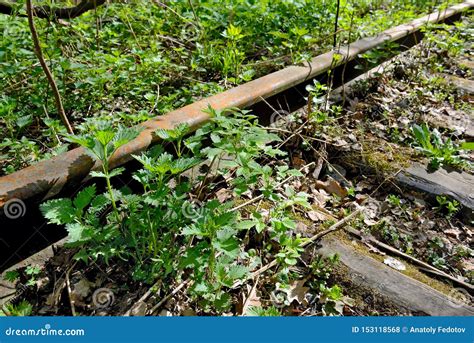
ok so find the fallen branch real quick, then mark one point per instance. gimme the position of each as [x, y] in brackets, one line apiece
[57, 97]
[46, 12]
[165, 299]
[69, 292]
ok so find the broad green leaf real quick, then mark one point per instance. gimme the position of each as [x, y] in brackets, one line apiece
[237, 272]
[58, 211]
[75, 231]
[246, 224]
[104, 137]
[84, 198]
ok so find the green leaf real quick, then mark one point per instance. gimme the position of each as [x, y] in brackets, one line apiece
[75, 231]
[246, 224]
[222, 302]
[467, 146]
[97, 174]
[12, 275]
[82, 255]
[230, 246]
[116, 172]
[86, 142]
[289, 223]
[123, 136]
[193, 230]
[58, 211]
[84, 198]
[104, 137]
[237, 272]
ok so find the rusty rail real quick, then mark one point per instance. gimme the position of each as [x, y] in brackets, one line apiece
[47, 178]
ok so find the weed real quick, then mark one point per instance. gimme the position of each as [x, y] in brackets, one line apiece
[257, 311]
[175, 225]
[394, 200]
[12, 275]
[442, 152]
[446, 206]
[22, 309]
[32, 272]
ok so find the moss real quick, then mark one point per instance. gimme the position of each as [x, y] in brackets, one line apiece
[383, 158]
[367, 299]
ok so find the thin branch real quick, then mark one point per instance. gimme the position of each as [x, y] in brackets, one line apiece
[175, 291]
[336, 24]
[49, 75]
[46, 12]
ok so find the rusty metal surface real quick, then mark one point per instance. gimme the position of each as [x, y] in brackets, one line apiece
[47, 178]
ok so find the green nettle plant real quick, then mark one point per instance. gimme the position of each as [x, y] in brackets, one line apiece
[102, 145]
[177, 225]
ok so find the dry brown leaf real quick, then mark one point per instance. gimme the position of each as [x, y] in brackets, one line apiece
[139, 309]
[320, 197]
[251, 300]
[223, 195]
[82, 288]
[332, 186]
[298, 292]
[317, 216]
[298, 162]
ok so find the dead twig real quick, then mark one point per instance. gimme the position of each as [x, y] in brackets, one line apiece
[143, 298]
[175, 291]
[69, 290]
[49, 75]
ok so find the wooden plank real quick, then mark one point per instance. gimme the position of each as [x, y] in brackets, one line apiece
[400, 289]
[7, 289]
[464, 85]
[467, 63]
[457, 185]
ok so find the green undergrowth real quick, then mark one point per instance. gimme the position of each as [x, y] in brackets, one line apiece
[177, 227]
[129, 62]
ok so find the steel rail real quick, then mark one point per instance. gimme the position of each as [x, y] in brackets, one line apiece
[47, 178]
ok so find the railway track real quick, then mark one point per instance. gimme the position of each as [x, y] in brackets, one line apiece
[26, 233]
